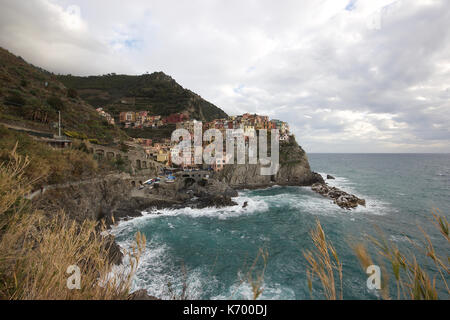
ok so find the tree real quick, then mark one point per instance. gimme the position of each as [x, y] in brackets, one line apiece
[72, 93]
[55, 103]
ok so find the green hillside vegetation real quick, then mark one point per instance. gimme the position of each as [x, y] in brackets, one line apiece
[31, 97]
[156, 92]
[51, 166]
[149, 133]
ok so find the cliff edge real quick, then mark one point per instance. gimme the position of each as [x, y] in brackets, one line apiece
[294, 170]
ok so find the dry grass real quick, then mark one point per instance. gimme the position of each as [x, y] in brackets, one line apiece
[254, 276]
[327, 268]
[36, 250]
[46, 165]
[412, 280]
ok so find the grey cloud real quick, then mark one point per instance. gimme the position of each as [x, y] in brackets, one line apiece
[384, 89]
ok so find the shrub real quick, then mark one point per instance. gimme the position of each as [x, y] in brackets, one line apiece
[55, 103]
[47, 165]
[72, 93]
[15, 99]
[81, 146]
[123, 147]
[94, 141]
[75, 135]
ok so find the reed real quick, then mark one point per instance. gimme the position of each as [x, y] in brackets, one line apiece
[324, 264]
[412, 280]
[36, 249]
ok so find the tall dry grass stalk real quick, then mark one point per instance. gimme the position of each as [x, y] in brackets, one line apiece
[36, 249]
[184, 294]
[254, 276]
[324, 264]
[412, 280]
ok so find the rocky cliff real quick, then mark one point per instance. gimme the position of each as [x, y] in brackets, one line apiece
[101, 198]
[294, 170]
[119, 196]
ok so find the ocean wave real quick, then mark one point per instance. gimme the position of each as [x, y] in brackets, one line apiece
[254, 205]
[244, 291]
[161, 276]
[341, 183]
[399, 238]
[373, 206]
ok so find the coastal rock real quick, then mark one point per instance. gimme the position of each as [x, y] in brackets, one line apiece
[110, 198]
[211, 193]
[141, 295]
[116, 197]
[341, 198]
[329, 176]
[294, 170]
[114, 253]
[214, 201]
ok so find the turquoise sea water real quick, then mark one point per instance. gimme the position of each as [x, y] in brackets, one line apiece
[216, 247]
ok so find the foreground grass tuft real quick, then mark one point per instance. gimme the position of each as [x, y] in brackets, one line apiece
[36, 249]
[413, 281]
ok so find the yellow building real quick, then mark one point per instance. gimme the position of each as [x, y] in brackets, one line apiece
[163, 156]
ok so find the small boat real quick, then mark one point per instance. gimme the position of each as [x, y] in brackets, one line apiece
[170, 179]
[148, 182]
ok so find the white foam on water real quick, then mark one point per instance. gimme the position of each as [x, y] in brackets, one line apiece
[254, 204]
[398, 238]
[373, 206]
[243, 291]
[341, 183]
[161, 277]
[157, 267]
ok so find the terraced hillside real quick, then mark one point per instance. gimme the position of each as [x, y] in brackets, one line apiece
[156, 92]
[31, 97]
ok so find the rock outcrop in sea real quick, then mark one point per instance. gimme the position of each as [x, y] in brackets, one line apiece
[341, 198]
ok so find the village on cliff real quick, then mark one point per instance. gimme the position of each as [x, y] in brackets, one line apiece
[160, 150]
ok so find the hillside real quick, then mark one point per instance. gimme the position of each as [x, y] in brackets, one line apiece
[31, 97]
[157, 93]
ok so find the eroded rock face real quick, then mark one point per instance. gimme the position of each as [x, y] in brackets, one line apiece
[210, 193]
[294, 171]
[114, 198]
[341, 198]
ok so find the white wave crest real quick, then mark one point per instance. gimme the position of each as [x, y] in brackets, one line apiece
[243, 291]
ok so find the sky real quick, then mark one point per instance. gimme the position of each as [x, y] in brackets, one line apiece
[347, 75]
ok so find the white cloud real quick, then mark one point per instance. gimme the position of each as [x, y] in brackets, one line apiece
[372, 77]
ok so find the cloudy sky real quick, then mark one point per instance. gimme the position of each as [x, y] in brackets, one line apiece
[348, 75]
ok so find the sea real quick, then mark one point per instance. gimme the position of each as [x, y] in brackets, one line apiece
[223, 253]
